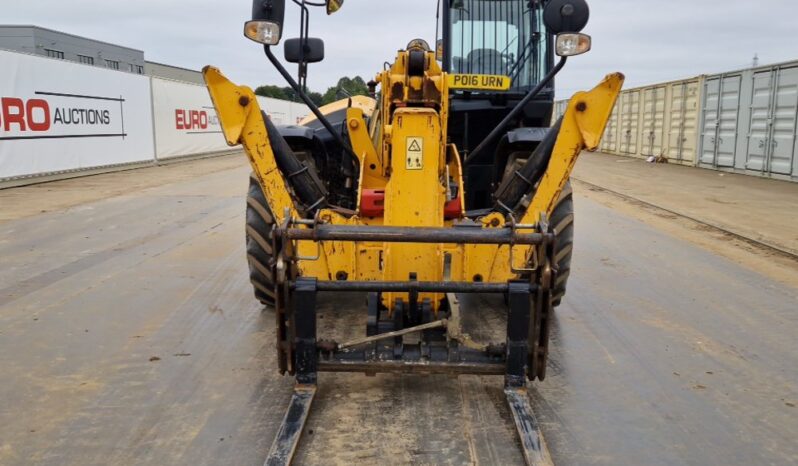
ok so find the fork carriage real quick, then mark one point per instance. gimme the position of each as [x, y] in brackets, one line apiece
[439, 348]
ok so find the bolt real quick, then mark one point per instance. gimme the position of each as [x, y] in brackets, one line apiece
[581, 107]
[243, 101]
[353, 124]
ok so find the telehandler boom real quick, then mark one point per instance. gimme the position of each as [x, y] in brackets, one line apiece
[382, 205]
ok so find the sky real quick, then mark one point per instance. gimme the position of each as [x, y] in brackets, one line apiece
[649, 41]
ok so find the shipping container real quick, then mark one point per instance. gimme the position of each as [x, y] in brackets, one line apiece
[660, 121]
[629, 122]
[744, 121]
[720, 117]
[771, 133]
[682, 121]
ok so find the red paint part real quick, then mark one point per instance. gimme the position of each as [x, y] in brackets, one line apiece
[372, 203]
[453, 209]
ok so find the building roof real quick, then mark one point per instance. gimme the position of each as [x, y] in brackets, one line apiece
[149, 62]
[31, 26]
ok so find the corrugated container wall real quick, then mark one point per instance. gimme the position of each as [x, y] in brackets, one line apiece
[659, 120]
[609, 142]
[749, 120]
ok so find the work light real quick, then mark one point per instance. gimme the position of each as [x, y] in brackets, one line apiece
[264, 32]
[569, 44]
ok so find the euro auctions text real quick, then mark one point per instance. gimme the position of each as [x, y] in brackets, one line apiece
[58, 115]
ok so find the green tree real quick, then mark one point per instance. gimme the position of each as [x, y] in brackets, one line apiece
[344, 88]
[316, 97]
[286, 93]
[274, 92]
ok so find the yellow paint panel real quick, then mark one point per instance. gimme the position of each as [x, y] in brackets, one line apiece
[482, 82]
[414, 197]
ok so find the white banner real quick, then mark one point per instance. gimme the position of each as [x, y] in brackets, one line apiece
[185, 120]
[283, 112]
[57, 115]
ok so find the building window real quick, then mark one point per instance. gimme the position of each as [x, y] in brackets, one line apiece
[139, 69]
[113, 64]
[130, 67]
[86, 60]
[54, 54]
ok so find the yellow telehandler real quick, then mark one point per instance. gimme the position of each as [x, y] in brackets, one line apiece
[445, 180]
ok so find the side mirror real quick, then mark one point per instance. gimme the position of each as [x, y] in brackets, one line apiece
[566, 16]
[266, 26]
[334, 5]
[312, 52]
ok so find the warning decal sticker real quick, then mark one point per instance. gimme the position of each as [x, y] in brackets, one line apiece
[415, 153]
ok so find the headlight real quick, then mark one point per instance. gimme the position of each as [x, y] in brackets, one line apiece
[569, 44]
[263, 32]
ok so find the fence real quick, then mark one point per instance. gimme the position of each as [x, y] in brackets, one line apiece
[58, 116]
[742, 121]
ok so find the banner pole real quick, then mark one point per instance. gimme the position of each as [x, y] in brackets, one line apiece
[152, 117]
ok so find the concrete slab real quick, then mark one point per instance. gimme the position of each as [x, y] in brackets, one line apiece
[129, 335]
[762, 209]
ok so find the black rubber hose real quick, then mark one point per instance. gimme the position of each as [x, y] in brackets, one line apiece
[301, 178]
[510, 192]
[312, 106]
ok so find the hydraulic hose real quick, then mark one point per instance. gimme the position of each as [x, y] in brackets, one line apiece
[300, 177]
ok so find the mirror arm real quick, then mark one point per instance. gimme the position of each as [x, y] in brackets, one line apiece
[515, 111]
[304, 26]
[313, 108]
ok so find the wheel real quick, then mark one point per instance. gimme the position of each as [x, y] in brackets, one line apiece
[562, 219]
[259, 243]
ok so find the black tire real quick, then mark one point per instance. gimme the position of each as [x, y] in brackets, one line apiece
[259, 243]
[562, 220]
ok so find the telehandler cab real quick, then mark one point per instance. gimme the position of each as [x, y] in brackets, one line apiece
[444, 181]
